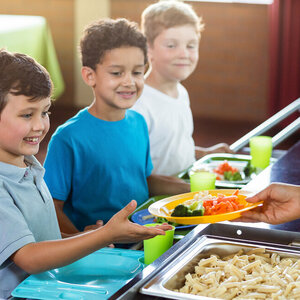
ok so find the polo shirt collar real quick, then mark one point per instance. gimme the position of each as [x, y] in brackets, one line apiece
[17, 174]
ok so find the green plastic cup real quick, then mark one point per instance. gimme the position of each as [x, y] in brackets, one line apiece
[261, 151]
[202, 181]
[155, 247]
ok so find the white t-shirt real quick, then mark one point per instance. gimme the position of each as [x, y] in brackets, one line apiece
[170, 126]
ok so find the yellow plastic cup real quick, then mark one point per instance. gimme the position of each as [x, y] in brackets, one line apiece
[260, 151]
[155, 247]
[202, 181]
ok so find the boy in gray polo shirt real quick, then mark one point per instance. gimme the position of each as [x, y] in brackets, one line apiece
[30, 240]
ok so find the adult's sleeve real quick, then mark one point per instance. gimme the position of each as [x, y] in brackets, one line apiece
[59, 166]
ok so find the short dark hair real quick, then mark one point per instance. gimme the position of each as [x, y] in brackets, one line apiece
[22, 75]
[108, 34]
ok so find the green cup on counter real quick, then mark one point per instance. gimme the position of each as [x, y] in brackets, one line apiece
[155, 247]
[260, 151]
[202, 181]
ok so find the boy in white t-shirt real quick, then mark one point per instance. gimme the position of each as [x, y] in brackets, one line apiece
[172, 29]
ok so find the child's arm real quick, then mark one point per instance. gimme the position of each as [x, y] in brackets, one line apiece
[166, 185]
[42, 256]
[65, 224]
[218, 148]
[67, 228]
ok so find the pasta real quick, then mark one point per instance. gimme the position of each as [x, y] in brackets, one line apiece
[254, 275]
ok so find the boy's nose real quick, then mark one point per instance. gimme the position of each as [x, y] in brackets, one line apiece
[38, 124]
[183, 51]
[128, 80]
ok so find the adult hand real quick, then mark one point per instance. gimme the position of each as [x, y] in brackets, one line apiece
[281, 204]
[124, 231]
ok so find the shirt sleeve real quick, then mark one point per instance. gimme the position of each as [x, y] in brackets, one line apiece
[14, 233]
[149, 165]
[59, 166]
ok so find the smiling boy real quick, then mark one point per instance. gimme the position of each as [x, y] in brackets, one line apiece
[100, 159]
[30, 239]
[173, 32]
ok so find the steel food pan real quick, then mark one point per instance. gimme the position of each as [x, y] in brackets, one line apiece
[173, 276]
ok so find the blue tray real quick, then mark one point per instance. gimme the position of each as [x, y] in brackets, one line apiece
[96, 276]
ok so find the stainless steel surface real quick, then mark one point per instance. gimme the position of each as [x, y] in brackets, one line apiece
[286, 132]
[269, 123]
[173, 276]
[244, 233]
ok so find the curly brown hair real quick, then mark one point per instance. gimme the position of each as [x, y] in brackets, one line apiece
[22, 75]
[108, 34]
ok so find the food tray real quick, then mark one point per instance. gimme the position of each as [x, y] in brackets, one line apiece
[211, 161]
[96, 276]
[173, 277]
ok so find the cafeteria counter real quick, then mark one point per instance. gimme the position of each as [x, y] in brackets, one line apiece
[286, 170]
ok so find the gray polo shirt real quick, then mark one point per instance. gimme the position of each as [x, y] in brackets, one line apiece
[27, 215]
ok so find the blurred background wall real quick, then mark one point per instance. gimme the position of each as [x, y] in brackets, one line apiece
[231, 80]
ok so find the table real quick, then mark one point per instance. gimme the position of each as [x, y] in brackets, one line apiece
[31, 35]
[286, 169]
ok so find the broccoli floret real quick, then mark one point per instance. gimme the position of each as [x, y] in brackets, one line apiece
[232, 176]
[249, 169]
[195, 209]
[198, 212]
[180, 211]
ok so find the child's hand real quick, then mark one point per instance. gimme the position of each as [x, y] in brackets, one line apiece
[98, 224]
[124, 231]
[220, 148]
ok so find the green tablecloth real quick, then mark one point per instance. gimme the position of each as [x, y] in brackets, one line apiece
[31, 35]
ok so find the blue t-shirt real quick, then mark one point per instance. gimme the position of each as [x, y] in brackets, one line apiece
[97, 167]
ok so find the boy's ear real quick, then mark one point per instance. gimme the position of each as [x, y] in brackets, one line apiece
[149, 52]
[88, 76]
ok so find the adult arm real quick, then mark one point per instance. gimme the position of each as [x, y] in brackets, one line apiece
[42, 256]
[166, 185]
[281, 204]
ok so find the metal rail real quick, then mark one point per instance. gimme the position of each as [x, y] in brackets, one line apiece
[269, 123]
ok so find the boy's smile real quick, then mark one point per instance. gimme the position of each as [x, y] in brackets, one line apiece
[23, 125]
[117, 82]
[174, 53]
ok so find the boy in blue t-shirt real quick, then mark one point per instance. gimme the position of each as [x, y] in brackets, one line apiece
[30, 239]
[100, 159]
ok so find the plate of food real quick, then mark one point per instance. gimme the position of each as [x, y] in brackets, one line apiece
[143, 217]
[237, 172]
[203, 207]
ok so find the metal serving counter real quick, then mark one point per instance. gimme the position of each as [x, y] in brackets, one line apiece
[285, 236]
